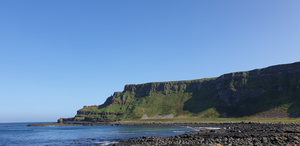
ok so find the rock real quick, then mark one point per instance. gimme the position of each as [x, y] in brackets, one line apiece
[244, 134]
[223, 115]
[169, 116]
[145, 116]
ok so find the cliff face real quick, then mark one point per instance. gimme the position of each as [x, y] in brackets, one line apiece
[234, 94]
[239, 88]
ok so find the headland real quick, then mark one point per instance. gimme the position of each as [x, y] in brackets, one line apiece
[259, 102]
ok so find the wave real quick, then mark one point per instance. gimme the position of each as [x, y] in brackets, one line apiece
[179, 131]
[106, 142]
[205, 128]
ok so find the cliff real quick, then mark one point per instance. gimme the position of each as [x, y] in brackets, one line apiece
[269, 92]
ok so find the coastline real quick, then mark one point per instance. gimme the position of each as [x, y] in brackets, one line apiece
[257, 134]
[251, 133]
[119, 123]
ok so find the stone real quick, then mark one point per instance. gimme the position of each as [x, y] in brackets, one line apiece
[145, 116]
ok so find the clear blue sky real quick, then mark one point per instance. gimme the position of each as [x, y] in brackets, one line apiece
[57, 56]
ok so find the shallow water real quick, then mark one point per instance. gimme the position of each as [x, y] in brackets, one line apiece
[18, 134]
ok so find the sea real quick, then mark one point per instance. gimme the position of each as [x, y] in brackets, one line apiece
[18, 134]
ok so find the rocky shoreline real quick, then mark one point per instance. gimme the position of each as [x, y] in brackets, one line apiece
[256, 134]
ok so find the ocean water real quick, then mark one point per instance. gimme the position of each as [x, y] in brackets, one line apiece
[17, 134]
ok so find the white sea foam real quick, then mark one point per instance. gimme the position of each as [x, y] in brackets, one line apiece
[205, 128]
[189, 127]
[106, 142]
[213, 128]
[179, 131]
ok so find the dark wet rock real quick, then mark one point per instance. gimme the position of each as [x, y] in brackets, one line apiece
[255, 134]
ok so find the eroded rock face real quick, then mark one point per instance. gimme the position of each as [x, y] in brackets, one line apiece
[145, 116]
[157, 86]
[228, 90]
[83, 112]
[231, 91]
[169, 116]
[231, 97]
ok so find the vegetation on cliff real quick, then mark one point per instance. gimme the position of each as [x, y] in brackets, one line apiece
[264, 93]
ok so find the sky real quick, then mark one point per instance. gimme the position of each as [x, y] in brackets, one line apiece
[57, 56]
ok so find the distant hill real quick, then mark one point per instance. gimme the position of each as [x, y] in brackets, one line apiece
[264, 93]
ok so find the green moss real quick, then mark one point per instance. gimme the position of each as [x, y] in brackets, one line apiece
[157, 103]
[244, 81]
[79, 118]
[87, 109]
[284, 107]
[210, 113]
[112, 109]
[176, 87]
